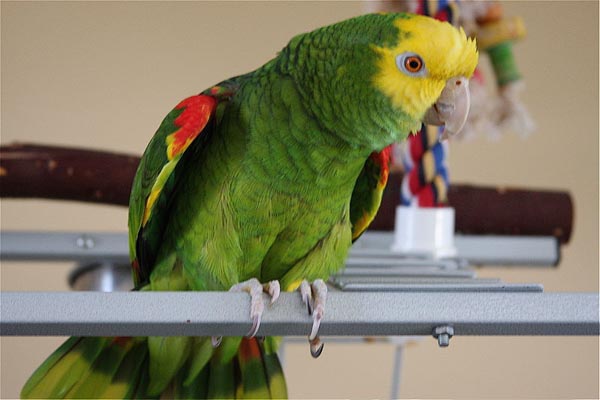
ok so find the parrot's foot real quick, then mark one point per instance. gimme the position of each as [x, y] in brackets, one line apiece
[257, 306]
[314, 296]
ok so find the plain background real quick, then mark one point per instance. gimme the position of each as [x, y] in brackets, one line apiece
[102, 75]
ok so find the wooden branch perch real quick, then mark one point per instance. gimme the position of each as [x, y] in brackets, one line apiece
[61, 173]
[32, 171]
[493, 210]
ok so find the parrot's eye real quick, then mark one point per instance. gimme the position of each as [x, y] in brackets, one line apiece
[411, 64]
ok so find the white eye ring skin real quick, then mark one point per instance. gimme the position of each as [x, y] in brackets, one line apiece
[401, 60]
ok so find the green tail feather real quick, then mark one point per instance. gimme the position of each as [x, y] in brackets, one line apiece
[167, 356]
[42, 370]
[123, 368]
[274, 372]
[129, 378]
[55, 379]
[276, 380]
[252, 368]
[197, 389]
[100, 374]
[202, 351]
[221, 380]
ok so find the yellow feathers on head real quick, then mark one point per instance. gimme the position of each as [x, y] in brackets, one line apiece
[414, 71]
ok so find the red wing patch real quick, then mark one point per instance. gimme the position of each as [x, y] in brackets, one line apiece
[196, 114]
[381, 163]
[382, 159]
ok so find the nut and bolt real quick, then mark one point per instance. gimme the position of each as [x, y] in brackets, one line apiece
[443, 334]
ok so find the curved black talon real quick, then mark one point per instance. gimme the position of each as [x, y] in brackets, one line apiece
[316, 347]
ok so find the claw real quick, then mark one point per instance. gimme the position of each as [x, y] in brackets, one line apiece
[257, 306]
[316, 347]
[320, 294]
[314, 296]
[273, 289]
[306, 292]
[255, 325]
[316, 325]
[216, 341]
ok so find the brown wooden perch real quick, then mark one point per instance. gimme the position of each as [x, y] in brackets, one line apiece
[493, 210]
[33, 171]
[62, 173]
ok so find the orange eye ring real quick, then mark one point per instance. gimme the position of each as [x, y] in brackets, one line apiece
[413, 64]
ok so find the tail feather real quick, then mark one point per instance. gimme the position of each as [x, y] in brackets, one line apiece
[197, 389]
[221, 379]
[125, 380]
[59, 377]
[202, 351]
[122, 368]
[274, 372]
[98, 378]
[139, 392]
[276, 380]
[167, 356]
[253, 375]
[43, 369]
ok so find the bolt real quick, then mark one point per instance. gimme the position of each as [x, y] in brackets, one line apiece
[443, 334]
[85, 242]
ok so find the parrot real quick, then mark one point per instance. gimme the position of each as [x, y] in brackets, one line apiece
[260, 184]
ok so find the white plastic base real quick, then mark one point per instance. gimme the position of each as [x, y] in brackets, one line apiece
[424, 231]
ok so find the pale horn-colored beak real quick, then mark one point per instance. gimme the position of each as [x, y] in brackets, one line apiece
[451, 108]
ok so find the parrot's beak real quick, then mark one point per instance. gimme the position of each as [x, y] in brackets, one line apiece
[451, 108]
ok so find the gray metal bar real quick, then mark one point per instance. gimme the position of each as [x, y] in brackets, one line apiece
[476, 249]
[438, 287]
[508, 250]
[386, 258]
[347, 314]
[421, 271]
[472, 282]
[371, 249]
[59, 246]
[429, 284]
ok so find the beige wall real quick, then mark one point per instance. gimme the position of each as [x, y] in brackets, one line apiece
[103, 75]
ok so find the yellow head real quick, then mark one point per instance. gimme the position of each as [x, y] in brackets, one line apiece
[371, 79]
[413, 72]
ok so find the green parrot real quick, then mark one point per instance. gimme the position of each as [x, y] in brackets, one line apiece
[262, 183]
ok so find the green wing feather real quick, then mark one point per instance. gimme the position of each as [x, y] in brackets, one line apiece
[368, 190]
[184, 129]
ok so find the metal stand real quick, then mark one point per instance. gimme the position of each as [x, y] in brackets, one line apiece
[379, 294]
[397, 372]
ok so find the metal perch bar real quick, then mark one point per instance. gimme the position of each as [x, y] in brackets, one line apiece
[347, 314]
[371, 250]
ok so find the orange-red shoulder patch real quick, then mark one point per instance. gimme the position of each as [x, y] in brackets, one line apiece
[196, 114]
[382, 159]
